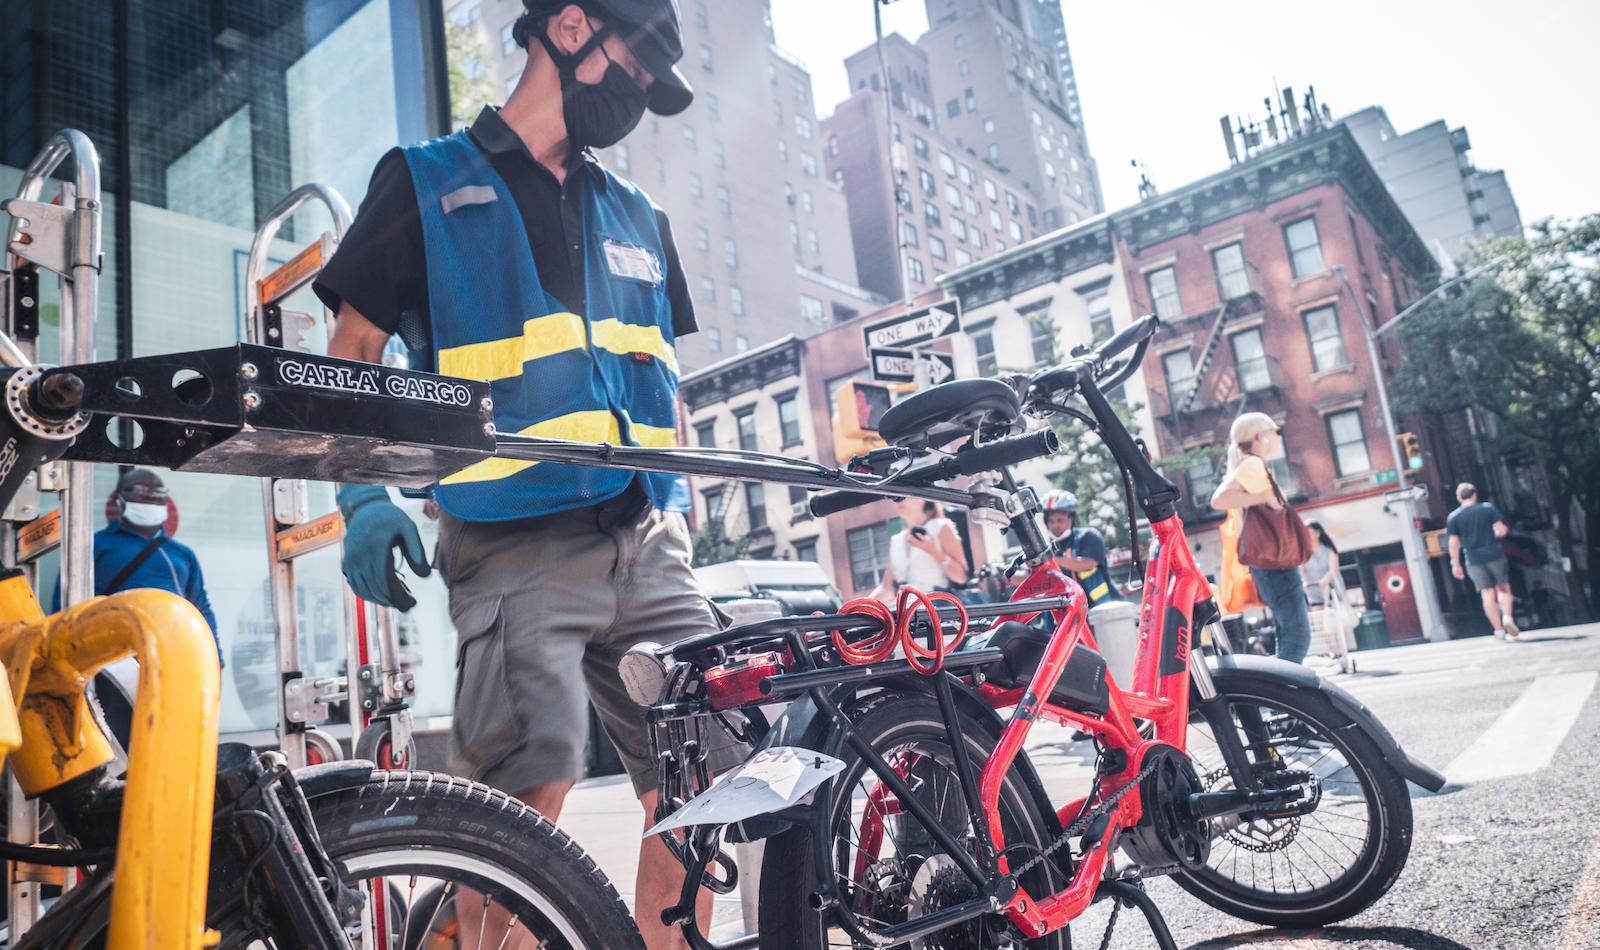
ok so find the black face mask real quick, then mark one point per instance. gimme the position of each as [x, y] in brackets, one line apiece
[597, 116]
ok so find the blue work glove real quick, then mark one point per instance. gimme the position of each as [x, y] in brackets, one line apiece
[373, 527]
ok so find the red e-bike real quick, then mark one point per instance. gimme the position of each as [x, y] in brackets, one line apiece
[1261, 789]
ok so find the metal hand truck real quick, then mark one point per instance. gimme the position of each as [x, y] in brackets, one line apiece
[375, 693]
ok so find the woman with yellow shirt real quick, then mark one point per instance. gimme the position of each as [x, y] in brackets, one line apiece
[1253, 439]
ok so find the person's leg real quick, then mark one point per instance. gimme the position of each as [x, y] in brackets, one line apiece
[1507, 605]
[1292, 618]
[1491, 609]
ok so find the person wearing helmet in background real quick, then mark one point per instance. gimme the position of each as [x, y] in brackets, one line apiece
[507, 253]
[1080, 550]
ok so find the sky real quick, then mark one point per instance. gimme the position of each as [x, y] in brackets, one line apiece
[1154, 77]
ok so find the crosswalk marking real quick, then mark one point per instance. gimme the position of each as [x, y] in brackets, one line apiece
[1526, 736]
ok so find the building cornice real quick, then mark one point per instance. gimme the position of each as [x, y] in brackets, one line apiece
[1042, 260]
[744, 373]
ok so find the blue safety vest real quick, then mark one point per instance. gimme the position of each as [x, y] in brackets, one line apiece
[609, 377]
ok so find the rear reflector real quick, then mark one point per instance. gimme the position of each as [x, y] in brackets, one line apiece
[738, 682]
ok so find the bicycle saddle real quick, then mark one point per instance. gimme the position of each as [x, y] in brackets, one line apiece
[940, 414]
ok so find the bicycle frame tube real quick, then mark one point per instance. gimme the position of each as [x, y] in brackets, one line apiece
[164, 836]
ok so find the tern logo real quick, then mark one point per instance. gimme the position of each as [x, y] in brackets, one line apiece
[1174, 642]
[374, 381]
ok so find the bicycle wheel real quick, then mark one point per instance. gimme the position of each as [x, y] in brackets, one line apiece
[1318, 868]
[466, 863]
[886, 866]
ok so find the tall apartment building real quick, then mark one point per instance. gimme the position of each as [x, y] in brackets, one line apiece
[1001, 92]
[763, 234]
[1450, 201]
[919, 203]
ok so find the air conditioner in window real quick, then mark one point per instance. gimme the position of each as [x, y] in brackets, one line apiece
[800, 510]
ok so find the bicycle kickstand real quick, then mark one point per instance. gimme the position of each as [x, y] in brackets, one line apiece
[1130, 892]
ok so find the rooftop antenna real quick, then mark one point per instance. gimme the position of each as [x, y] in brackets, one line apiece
[1228, 140]
[1272, 118]
[1290, 111]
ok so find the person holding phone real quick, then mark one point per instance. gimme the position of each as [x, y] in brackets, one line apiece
[926, 554]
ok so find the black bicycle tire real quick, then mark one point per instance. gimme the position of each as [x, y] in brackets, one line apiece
[1384, 855]
[788, 865]
[411, 809]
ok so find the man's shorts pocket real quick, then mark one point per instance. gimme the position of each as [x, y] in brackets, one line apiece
[486, 727]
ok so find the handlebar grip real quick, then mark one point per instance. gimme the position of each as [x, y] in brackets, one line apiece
[998, 455]
[828, 503]
[1129, 335]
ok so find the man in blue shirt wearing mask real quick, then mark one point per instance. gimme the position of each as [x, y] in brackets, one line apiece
[507, 253]
[135, 552]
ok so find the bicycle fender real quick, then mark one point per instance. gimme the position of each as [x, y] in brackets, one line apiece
[328, 778]
[1241, 667]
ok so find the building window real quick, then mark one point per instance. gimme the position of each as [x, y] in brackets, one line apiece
[983, 349]
[705, 434]
[1179, 367]
[962, 258]
[806, 550]
[661, 170]
[1232, 281]
[806, 203]
[714, 339]
[975, 234]
[708, 289]
[919, 146]
[925, 182]
[724, 200]
[1015, 228]
[1012, 204]
[958, 228]
[741, 343]
[466, 14]
[991, 190]
[1164, 293]
[702, 239]
[705, 58]
[1250, 360]
[744, 422]
[714, 500]
[1327, 343]
[689, 138]
[961, 41]
[936, 248]
[952, 196]
[992, 153]
[736, 301]
[797, 496]
[914, 270]
[1201, 475]
[794, 234]
[755, 501]
[811, 309]
[783, 150]
[970, 204]
[713, 107]
[869, 554]
[1305, 252]
[947, 164]
[964, 67]
[730, 252]
[1349, 443]
[789, 419]
[1101, 326]
[1044, 340]
[719, 158]
[953, 108]
[988, 125]
[908, 234]
[808, 163]
[812, 242]
[700, 19]
[971, 99]
[696, 187]
[996, 222]
[802, 126]
[507, 42]
[624, 159]
[930, 212]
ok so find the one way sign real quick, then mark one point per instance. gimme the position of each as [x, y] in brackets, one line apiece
[900, 366]
[916, 327]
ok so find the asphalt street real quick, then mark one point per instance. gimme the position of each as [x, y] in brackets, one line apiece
[1507, 856]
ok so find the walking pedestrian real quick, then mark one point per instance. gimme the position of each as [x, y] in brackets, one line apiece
[1249, 483]
[507, 253]
[1324, 584]
[925, 554]
[1475, 529]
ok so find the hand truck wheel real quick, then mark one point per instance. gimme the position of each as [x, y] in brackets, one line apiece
[322, 747]
[376, 744]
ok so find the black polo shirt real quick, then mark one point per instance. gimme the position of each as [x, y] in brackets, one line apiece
[381, 269]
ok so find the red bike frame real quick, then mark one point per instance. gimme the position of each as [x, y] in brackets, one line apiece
[1159, 694]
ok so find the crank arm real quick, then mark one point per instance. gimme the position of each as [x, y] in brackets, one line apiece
[1204, 805]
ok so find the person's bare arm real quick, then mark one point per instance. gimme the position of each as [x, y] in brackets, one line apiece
[1074, 563]
[1500, 529]
[357, 338]
[1455, 558]
[1230, 494]
[954, 561]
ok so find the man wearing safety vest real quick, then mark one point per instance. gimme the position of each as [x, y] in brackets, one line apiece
[507, 253]
[1080, 550]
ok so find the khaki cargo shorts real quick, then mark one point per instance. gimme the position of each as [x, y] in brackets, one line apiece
[544, 609]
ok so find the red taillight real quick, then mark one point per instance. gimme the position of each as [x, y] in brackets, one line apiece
[738, 682]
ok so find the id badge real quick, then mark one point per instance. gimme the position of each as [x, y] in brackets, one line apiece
[631, 262]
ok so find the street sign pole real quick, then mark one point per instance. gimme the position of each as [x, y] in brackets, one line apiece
[1427, 598]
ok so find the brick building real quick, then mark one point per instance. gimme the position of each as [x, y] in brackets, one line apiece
[1240, 265]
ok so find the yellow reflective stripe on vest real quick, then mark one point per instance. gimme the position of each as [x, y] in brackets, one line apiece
[503, 359]
[625, 339]
[653, 437]
[1100, 590]
[547, 336]
[590, 425]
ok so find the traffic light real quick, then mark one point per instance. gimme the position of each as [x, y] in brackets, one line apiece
[1410, 450]
[855, 423]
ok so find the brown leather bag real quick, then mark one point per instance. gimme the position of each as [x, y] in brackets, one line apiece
[1274, 539]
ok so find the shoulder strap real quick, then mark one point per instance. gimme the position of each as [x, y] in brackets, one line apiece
[133, 565]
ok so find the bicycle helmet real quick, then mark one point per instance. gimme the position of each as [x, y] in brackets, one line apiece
[1060, 499]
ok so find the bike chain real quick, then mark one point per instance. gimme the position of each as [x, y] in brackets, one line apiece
[1083, 822]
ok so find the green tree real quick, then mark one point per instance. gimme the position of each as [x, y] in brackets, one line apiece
[470, 87]
[1094, 477]
[1521, 345]
[710, 543]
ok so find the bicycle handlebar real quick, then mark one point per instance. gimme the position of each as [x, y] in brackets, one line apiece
[1070, 375]
[974, 461]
